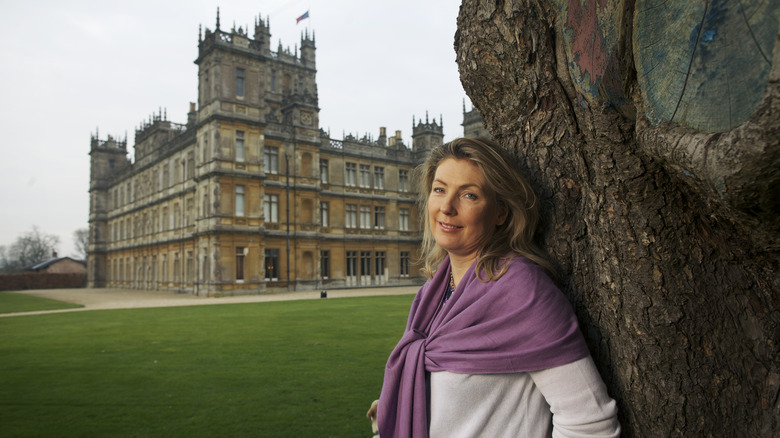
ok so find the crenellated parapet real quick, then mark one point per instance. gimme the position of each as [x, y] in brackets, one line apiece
[258, 44]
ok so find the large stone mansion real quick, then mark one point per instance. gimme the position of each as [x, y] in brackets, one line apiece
[250, 195]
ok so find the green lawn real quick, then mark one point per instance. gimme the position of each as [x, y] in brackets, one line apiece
[277, 369]
[13, 302]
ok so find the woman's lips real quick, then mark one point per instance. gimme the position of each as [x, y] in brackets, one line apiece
[448, 227]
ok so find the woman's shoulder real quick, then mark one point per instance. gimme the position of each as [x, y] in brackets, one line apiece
[517, 264]
[521, 270]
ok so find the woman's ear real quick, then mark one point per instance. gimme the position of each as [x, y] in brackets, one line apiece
[503, 213]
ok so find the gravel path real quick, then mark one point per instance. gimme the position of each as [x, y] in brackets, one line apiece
[96, 299]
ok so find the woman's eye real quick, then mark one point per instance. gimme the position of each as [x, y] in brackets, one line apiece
[437, 190]
[470, 196]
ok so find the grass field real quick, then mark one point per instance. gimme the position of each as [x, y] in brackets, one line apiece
[12, 302]
[276, 369]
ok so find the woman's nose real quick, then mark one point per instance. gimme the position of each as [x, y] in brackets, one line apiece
[447, 207]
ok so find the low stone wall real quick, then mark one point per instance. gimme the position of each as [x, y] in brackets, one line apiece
[41, 281]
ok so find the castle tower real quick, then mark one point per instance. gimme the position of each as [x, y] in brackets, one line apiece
[428, 135]
[257, 119]
[263, 35]
[473, 125]
[308, 49]
[107, 157]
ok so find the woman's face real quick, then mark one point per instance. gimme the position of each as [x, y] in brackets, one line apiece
[462, 210]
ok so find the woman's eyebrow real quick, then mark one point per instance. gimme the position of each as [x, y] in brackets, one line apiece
[437, 180]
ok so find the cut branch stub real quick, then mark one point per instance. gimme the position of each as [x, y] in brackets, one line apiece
[591, 34]
[703, 65]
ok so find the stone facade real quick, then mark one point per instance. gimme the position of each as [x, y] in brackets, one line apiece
[250, 195]
[473, 125]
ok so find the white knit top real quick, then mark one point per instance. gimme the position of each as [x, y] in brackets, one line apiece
[566, 401]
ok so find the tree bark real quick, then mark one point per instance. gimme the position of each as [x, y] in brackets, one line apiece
[666, 238]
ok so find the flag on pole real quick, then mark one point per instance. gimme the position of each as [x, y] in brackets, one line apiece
[302, 17]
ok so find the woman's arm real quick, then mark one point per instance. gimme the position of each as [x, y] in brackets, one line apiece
[578, 400]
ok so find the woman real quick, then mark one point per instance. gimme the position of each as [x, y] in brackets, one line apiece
[491, 348]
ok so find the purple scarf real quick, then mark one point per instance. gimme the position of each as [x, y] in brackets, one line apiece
[518, 323]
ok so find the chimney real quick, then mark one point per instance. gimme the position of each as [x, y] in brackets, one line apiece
[192, 115]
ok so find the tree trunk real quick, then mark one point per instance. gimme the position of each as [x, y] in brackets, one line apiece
[666, 236]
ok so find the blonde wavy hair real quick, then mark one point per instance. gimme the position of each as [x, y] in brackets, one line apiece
[512, 192]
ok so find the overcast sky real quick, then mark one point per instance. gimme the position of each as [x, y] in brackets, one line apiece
[71, 68]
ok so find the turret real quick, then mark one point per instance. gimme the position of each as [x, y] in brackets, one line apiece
[263, 35]
[106, 158]
[308, 49]
[427, 135]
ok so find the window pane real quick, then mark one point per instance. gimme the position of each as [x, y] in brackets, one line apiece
[350, 177]
[365, 216]
[325, 264]
[240, 153]
[324, 214]
[239, 263]
[239, 82]
[239, 200]
[379, 178]
[365, 175]
[271, 264]
[271, 159]
[324, 171]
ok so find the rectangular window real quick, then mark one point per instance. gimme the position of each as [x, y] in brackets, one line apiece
[166, 176]
[379, 263]
[379, 178]
[272, 264]
[352, 263]
[365, 216]
[403, 219]
[405, 263]
[240, 152]
[164, 267]
[324, 171]
[403, 180]
[271, 159]
[324, 214]
[188, 269]
[350, 219]
[190, 165]
[240, 255]
[176, 216]
[365, 264]
[240, 74]
[176, 268]
[165, 219]
[239, 201]
[271, 207]
[350, 177]
[273, 80]
[365, 175]
[379, 218]
[325, 264]
[188, 218]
